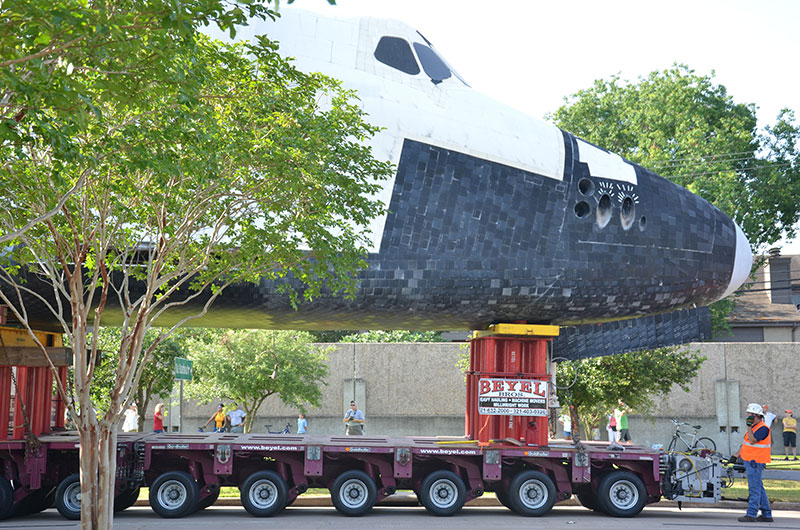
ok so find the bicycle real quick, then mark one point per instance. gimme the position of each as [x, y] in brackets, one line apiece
[690, 441]
[286, 430]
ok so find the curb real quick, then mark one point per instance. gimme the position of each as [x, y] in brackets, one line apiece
[410, 499]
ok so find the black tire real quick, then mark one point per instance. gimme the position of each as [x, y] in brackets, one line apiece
[671, 446]
[264, 494]
[68, 497]
[531, 493]
[502, 496]
[442, 493]
[41, 500]
[589, 500]
[6, 499]
[126, 499]
[208, 500]
[174, 494]
[353, 493]
[704, 443]
[621, 494]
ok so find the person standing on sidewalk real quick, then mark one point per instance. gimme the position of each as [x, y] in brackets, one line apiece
[219, 418]
[755, 453]
[236, 418]
[354, 420]
[131, 423]
[789, 435]
[566, 420]
[302, 424]
[158, 418]
[621, 414]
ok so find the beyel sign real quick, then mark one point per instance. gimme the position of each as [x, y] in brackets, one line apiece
[512, 397]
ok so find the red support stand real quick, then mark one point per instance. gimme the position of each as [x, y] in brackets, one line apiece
[33, 395]
[40, 403]
[60, 407]
[5, 400]
[18, 429]
[507, 385]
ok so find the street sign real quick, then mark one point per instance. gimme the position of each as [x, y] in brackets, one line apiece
[183, 369]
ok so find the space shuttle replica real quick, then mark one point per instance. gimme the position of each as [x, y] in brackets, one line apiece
[495, 216]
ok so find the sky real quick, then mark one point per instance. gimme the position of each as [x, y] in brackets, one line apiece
[530, 54]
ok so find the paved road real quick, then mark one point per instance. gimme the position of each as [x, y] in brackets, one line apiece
[391, 518]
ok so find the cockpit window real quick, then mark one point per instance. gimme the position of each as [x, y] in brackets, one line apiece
[396, 52]
[452, 70]
[433, 65]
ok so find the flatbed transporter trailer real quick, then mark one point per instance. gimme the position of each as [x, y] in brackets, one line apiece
[503, 452]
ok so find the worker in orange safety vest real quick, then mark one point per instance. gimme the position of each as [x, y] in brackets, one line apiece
[755, 454]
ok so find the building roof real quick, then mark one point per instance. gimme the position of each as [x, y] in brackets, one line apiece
[755, 306]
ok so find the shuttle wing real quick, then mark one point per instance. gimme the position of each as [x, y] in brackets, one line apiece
[633, 334]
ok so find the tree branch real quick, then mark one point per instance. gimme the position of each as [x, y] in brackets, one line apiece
[46, 51]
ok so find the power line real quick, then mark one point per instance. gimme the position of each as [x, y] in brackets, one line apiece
[722, 161]
[705, 160]
[734, 153]
[734, 170]
[790, 279]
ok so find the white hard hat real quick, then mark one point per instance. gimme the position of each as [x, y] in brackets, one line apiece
[755, 408]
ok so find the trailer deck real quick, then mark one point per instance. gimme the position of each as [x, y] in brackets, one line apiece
[186, 471]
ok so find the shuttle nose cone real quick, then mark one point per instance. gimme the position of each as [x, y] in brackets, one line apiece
[741, 264]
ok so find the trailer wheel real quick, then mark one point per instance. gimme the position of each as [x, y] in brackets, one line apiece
[174, 494]
[589, 500]
[37, 501]
[621, 494]
[442, 493]
[531, 493]
[44, 500]
[502, 496]
[353, 493]
[264, 494]
[6, 498]
[126, 499]
[68, 497]
[207, 501]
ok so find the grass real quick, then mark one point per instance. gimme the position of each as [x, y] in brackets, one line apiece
[777, 490]
[778, 462]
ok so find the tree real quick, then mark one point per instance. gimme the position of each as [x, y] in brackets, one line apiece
[377, 335]
[594, 385]
[158, 375]
[249, 366]
[686, 128]
[395, 335]
[143, 165]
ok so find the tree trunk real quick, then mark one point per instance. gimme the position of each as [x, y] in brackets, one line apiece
[143, 417]
[248, 420]
[107, 470]
[89, 483]
[98, 467]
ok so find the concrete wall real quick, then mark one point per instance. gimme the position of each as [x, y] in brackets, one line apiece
[415, 389]
[403, 389]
